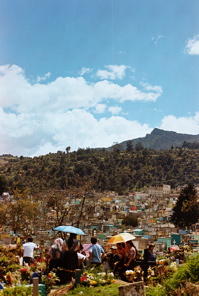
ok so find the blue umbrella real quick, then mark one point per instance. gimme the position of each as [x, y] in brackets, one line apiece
[69, 229]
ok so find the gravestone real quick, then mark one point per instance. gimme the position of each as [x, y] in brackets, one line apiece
[132, 289]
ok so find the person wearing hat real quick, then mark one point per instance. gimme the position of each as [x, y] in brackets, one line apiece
[113, 259]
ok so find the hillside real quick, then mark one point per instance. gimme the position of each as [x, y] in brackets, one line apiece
[161, 140]
[121, 171]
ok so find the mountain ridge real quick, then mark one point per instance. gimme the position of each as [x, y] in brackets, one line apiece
[160, 139]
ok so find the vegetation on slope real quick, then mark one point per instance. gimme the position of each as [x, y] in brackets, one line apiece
[184, 281]
[122, 171]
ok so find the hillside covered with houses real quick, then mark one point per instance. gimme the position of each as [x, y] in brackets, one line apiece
[99, 214]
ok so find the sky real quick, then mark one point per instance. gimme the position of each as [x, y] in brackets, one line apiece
[90, 73]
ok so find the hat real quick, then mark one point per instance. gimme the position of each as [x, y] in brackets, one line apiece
[114, 247]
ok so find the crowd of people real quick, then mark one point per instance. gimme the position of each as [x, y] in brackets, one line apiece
[67, 256]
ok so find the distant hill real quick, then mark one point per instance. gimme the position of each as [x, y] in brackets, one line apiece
[161, 140]
[117, 170]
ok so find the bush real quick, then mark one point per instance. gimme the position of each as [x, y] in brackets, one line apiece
[130, 220]
[189, 271]
[182, 279]
[17, 291]
[193, 267]
[159, 290]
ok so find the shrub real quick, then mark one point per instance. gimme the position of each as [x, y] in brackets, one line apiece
[189, 271]
[181, 280]
[17, 291]
[159, 290]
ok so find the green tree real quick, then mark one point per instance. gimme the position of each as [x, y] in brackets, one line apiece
[21, 212]
[139, 146]
[186, 209]
[3, 184]
[130, 220]
[3, 211]
[116, 147]
[68, 149]
[129, 146]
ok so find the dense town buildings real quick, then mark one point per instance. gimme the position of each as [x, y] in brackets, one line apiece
[153, 207]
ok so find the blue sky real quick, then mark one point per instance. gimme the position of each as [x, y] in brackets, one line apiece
[88, 73]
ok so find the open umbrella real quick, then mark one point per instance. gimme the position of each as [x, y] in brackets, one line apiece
[120, 238]
[69, 229]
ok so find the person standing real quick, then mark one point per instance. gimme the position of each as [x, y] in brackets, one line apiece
[113, 259]
[73, 243]
[56, 248]
[151, 254]
[96, 252]
[131, 253]
[68, 263]
[55, 253]
[28, 251]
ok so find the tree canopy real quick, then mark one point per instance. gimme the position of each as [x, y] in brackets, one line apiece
[119, 170]
[186, 210]
[130, 220]
[3, 184]
[20, 213]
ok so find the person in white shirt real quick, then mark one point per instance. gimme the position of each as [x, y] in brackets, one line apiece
[28, 251]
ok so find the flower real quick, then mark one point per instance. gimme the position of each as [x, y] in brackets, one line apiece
[93, 283]
[24, 270]
[49, 280]
[102, 274]
[83, 278]
[128, 272]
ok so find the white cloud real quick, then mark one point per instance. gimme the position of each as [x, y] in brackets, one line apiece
[192, 46]
[100, 108]
[149, 87]
[40, 118]
[54, 131]
[43, 78]
[107, 89]
[184, 125]
[115, 109]
[62, 94]
[50, 117]
[113, 72]
[84, 71]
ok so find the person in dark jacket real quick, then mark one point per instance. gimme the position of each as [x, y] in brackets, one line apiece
[151, 254]
[68, 264]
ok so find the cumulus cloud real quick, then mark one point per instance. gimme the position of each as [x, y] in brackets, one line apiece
[64, 93]
[54, 131]
[38, 118]
[113, 72]
[43, 78]
[100, 108]
[192, 46]
[184, 125]
[115, 109]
